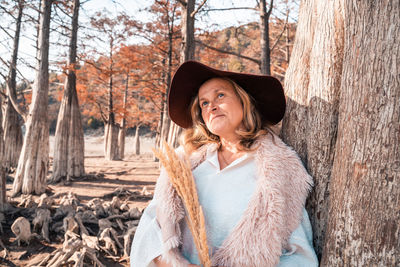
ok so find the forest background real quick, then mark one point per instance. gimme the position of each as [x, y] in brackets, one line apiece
[110, 70]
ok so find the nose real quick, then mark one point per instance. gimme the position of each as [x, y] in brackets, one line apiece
[213, 106]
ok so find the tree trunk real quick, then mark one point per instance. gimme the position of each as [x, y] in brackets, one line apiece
[310, 124]
[137, 140]
[33, 162]
[187, 30]
[111, 129]
[11, 123]
[265, 66]
[111, 150]
[159, 126]
[165, 126]
[2, 171]
[69, 142]
[121, 140]
[187, 53]
[343, 119]
[122, 129]
[363, 227]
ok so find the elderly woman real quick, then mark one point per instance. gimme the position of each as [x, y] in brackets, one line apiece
[252, 186]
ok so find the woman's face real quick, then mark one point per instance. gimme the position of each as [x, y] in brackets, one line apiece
[221, 108]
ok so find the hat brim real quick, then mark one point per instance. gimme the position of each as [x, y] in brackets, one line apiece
[267, 92]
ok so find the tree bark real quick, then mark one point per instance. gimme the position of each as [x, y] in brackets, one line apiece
[111, 128]
[265, 66]
[2, 171]
[137, 140]
[363, 227]
[310, 124]
[343, 120]
[122, 129]
[69, 141]
[11, 123]
[187, 29]
[33, 162]
[111, 150]
[187, 53]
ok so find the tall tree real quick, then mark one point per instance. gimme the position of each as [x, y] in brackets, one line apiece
[265, 66]
[187, 51]
[114, 32]
[68, 160]
[343, 118]
[2, 171]
[33, 162]
[11, 122]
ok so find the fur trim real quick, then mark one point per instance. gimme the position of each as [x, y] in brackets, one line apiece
[273, 213]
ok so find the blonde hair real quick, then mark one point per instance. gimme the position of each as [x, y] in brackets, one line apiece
[198, 135]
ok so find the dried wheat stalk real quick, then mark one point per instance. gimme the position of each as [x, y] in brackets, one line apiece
[181, 177]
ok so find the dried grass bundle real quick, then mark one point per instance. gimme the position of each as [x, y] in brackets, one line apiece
[181, 177]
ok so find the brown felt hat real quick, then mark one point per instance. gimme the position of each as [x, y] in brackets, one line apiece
[267, 92]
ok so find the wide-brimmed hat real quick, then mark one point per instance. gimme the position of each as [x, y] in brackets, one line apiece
[267, 92]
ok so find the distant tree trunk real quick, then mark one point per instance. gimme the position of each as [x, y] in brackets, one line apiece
[165, 126]
[2, 171]
[11, 123]
[69, 142]
[343, 118]
[166, 123]
[187, 29]
[187, 53]
[33, 162]
[122, 128]
[265, 66]
[137, 140]
[159, 126]
[111, 141]
[111, 129]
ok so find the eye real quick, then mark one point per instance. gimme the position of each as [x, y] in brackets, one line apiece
[220, 95]
[204, 104]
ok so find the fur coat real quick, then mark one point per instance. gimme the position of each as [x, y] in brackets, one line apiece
[273, 213]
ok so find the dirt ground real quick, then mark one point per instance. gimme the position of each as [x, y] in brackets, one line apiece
[134, 173]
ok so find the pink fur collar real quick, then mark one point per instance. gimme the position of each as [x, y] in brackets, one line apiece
[274, 211]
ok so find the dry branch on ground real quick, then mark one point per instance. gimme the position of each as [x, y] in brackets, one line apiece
[91, 233]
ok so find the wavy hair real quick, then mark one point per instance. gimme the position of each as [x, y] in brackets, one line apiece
[199, 135]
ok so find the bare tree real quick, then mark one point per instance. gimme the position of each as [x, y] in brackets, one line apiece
[68, 160]
[265, 66]
[33, 162]
[11, 122]
[187, 50]
[343, 118]
[2, 171]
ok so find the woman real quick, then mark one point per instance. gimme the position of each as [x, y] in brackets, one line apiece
[252, 187]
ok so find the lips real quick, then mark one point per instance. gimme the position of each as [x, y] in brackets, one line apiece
[216, 116]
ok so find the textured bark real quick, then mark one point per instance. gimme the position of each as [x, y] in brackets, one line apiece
[363, 227]
[121, 140]
[310, 125]
[187, 29]
[69, 142]
[111, 150]
[11, 123]
[111, 128]
[187, 53]
[137, 140]
[33, 162]
[2, 172]
[343, 119]
[265, 66]
[122, 129]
